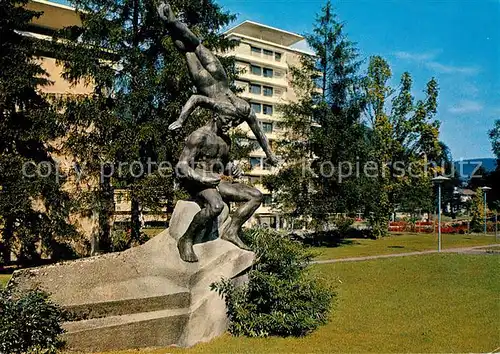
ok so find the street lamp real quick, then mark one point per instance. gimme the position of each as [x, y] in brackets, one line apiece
[485, 190]
[497, 207]
[439, 181]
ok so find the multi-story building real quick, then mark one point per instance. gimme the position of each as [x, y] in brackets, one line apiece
[264, 57]
[55, 17]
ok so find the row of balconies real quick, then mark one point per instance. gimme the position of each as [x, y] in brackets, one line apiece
[259, 55]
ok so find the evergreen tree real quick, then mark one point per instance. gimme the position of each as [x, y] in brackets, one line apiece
[493, 178]
[325, 126]
[33, 209]
[140, 83]
[495, 139]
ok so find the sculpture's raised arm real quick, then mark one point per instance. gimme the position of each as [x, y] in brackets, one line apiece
[261, 138]
[194, 102]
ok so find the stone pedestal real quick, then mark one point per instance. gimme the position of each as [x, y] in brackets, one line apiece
[146, 296]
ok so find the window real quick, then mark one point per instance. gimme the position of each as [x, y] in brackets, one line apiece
[256, 70]
[257, 107]
[268, 109]
[279, 73]
[267, 200]
[267, 221]
[255, 162]
[268, 52]
[255, 89]
[277, 56]
[268, 91]
[256, 50]
[268, 72]
[267, 127]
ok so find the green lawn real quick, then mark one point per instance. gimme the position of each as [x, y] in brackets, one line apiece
[4, 279]
[152, 231]
[431, 303]
[400, 243]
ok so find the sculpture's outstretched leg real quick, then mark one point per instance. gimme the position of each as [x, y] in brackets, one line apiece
[238, 192]
[213, 206]
[184, 39]
[187, 42]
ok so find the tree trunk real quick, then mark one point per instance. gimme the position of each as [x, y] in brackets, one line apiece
[136, 221]
[94, 237]
[7, 237]
[107, 213]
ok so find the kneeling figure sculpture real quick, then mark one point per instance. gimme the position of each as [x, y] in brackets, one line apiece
[205, 157]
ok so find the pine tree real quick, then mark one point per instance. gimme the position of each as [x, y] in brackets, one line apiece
[33, 209]
[495, 139]
[493, 178]
[140, 83]
[325, 126]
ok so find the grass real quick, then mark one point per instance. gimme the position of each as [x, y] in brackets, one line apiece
[400, 243]
[4, 279]
[431, 303]
[152, 231]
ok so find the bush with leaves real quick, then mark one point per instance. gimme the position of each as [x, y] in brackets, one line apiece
[281, 298]
[344, 224]
[29, 323]
[477, 211]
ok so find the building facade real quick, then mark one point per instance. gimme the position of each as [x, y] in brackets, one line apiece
[264, 57]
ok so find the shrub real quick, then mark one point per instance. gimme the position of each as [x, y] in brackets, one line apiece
[29, 323]
[344, 224]
[280, 298]
[477, 212]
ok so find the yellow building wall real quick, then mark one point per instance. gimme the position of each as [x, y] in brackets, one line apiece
[58, 84]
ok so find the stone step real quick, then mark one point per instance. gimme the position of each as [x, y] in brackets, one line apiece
[147, 329]
[176, 300]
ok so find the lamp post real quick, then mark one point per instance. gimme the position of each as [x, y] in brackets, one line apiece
[497, 207]
[485, 190]
[439, 181]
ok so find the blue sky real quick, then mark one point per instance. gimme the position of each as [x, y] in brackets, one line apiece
[456, 41]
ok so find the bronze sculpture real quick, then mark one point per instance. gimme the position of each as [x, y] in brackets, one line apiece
[206, 154]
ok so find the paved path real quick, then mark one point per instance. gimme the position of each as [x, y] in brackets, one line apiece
[365, 258]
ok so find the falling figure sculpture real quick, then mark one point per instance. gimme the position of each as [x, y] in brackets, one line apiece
[206, 154]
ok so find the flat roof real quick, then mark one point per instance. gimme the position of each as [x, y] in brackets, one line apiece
[266, 33]
[54, 15]
[55, 4]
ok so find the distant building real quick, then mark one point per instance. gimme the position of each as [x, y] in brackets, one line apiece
[464, 194]
[265, 56]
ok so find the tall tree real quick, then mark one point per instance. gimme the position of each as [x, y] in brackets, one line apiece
[140, 84]
[495, 138]
[33, 209]
[493, 178]
[404, 135]
[477, 211]
[324, 124]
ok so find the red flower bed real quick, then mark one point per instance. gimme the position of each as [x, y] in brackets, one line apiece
[427, 227]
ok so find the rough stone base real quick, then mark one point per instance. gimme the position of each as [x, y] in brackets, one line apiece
[146, 296]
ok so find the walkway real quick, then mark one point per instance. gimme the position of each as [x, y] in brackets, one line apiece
[366, 258]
